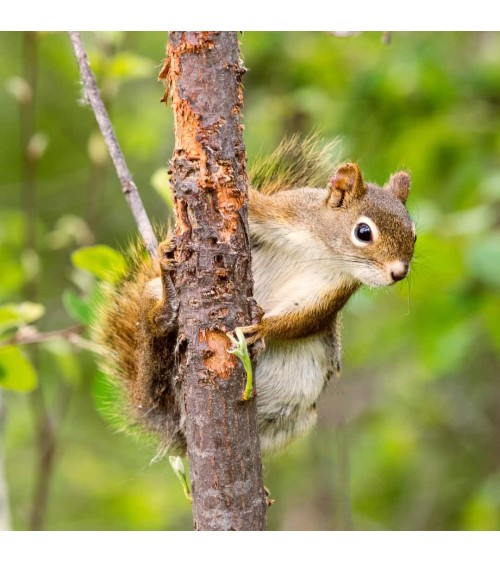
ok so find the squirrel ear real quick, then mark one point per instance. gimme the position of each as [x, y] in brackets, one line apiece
[399, 185]
[346, 184]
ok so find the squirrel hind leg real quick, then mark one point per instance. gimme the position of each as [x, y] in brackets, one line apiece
[156, 397]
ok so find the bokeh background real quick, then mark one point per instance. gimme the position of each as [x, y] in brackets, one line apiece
[409, 439]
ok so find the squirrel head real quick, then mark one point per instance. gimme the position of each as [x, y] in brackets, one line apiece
[376, 238]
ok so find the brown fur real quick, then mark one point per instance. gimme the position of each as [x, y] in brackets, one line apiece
[306, 267]
[295, 163]
[139, 358]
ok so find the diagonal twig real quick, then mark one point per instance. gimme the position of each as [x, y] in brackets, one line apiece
[129, 188]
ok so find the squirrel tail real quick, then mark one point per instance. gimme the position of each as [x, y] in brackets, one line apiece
[297, 162]
[115, 329]
[140, 365]
[115, 325]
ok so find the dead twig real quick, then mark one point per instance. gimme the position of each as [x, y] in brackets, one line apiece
[129, 188]
[31, 335]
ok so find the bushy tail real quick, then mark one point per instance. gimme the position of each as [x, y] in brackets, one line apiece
[140, 364]
[296, 163]
[115, 329]
[115, 324]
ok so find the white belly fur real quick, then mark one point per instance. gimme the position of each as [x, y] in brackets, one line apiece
[292, 272]
[290, 377]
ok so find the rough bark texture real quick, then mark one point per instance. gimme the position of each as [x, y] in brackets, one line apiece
[213, 279]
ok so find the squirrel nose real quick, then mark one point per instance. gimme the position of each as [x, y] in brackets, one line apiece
[399, 271]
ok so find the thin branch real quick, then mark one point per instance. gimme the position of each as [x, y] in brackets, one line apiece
[129, 188]
[30, 335]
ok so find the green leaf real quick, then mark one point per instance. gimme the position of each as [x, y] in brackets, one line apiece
[102, 261]
[16, 372]
[77, 307]
[13, 315]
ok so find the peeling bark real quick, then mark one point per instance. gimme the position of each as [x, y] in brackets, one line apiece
[203, 74]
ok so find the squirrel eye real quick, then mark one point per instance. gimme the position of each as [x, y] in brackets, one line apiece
[363, 232]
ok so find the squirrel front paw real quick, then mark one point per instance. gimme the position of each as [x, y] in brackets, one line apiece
[254, 333]
[167, 261]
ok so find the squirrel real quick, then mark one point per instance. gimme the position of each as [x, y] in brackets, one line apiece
[312, 248]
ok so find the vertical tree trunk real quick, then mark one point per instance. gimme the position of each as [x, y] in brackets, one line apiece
[203, 72]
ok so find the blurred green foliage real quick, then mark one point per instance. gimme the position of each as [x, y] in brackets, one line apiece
[409, 438]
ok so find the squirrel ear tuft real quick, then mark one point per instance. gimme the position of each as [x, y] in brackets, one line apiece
[346, 184]
[399, 185]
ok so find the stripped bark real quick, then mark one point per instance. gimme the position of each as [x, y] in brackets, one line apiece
[203, 73]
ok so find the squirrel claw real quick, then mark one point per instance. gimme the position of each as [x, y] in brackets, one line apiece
[253, 333]
[166, 246]
[269, 501]
[167, 263]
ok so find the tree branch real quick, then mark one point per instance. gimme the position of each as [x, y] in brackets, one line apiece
[128, 186]
[213, 278]
[30, 335]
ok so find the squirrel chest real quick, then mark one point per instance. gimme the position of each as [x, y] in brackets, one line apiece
[292, 272]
